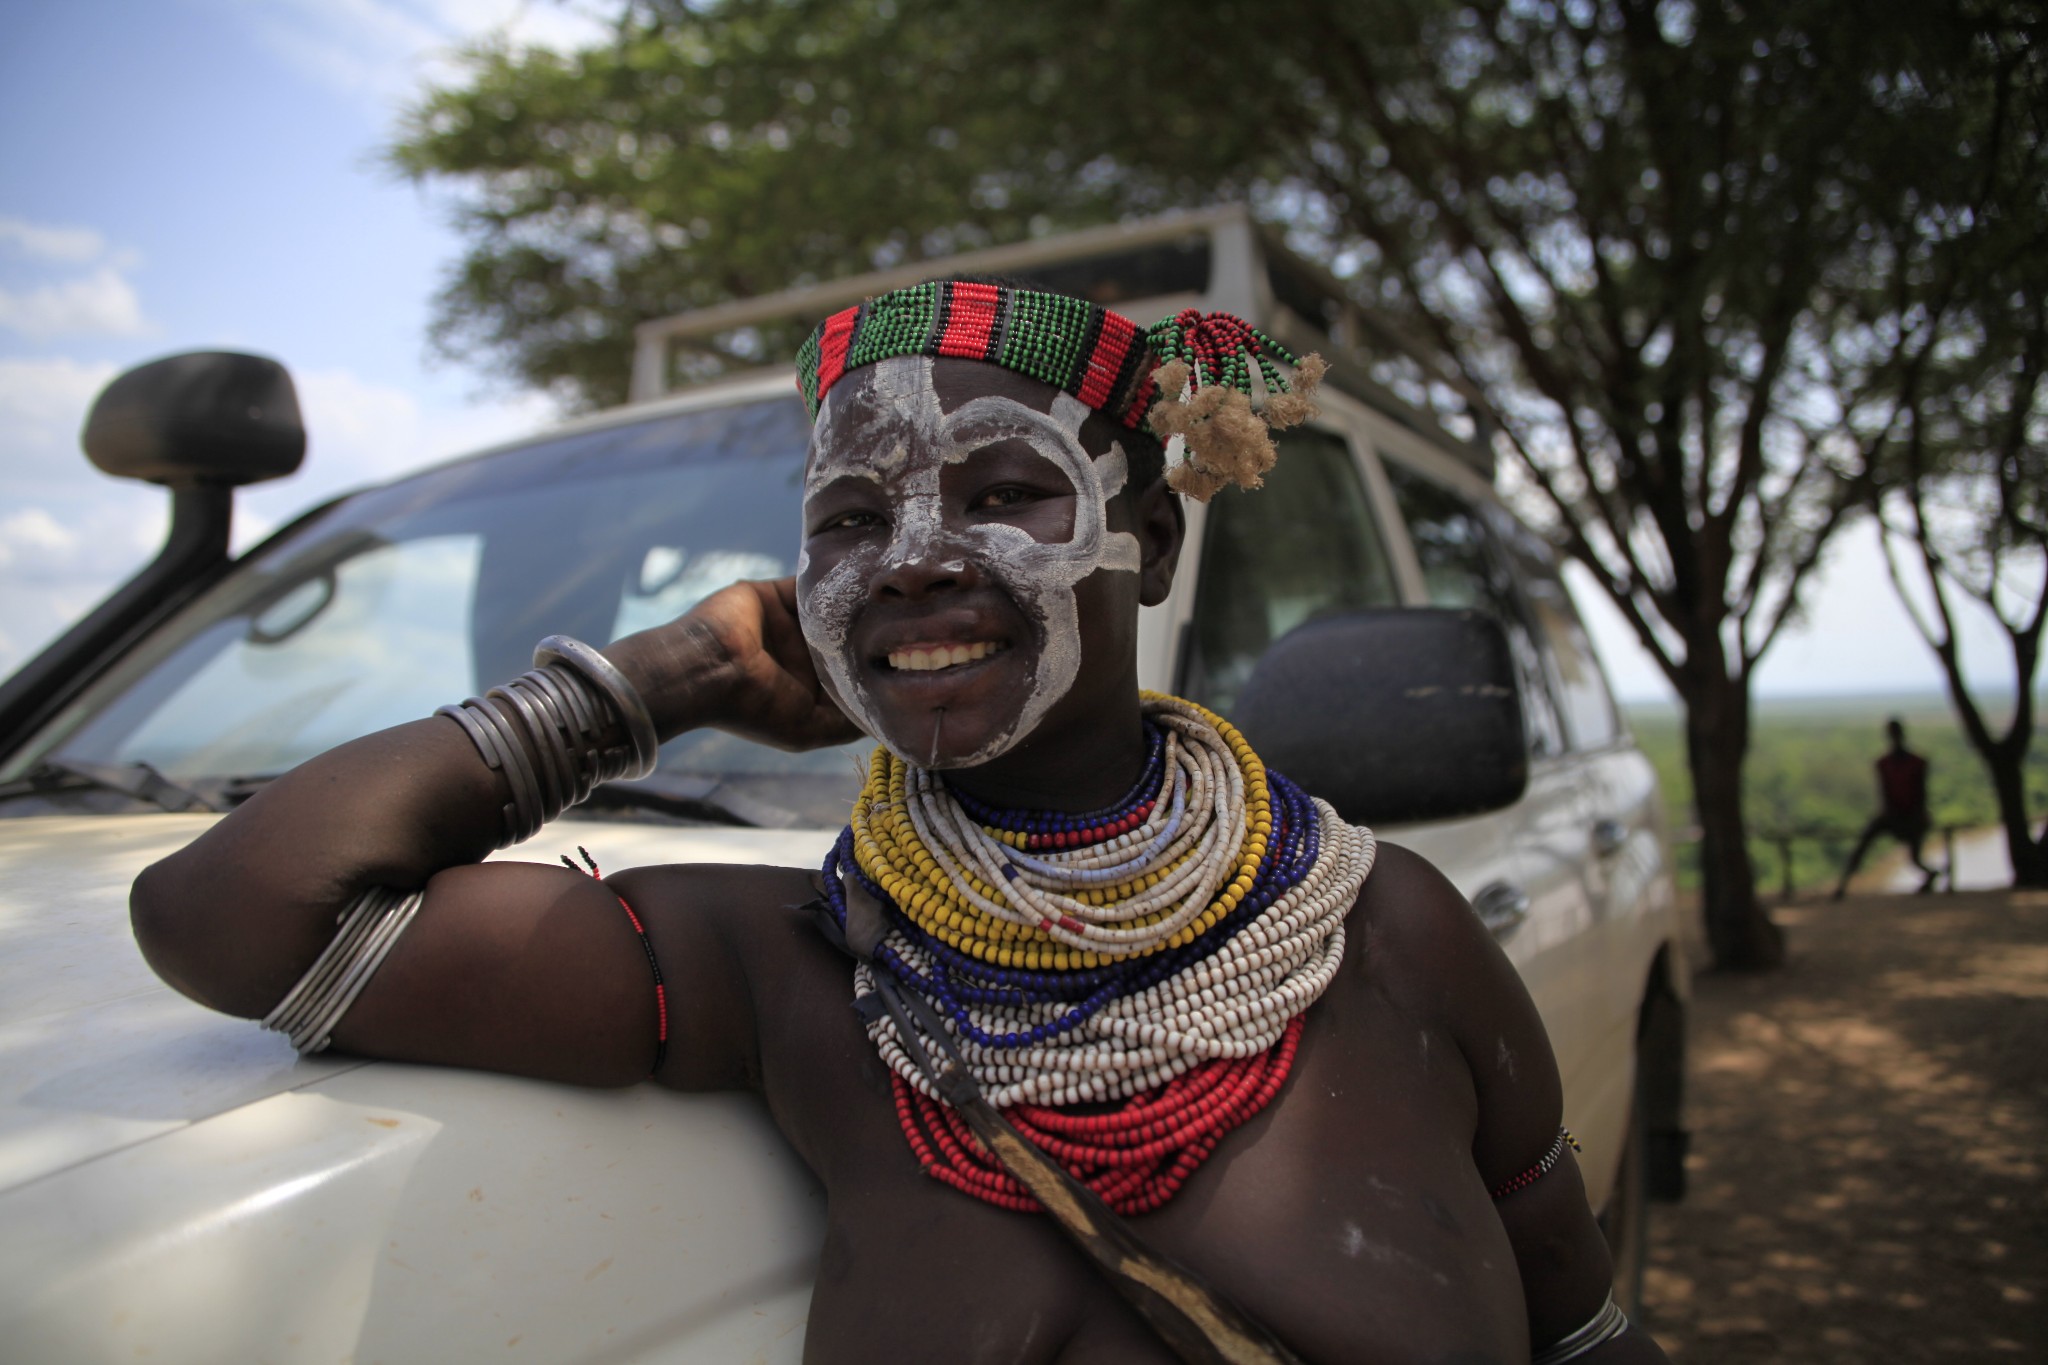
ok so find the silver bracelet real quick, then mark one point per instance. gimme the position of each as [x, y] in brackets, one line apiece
[1607, 1324]
[600, 671]
[369, 926]
[545, 732]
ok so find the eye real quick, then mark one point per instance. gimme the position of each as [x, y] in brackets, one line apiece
[1007, 495]
[856, 520]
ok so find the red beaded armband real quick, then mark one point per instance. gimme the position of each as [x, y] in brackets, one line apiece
[653, 965]
[1541, 1168]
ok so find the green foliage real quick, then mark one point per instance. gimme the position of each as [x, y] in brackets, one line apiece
[723, 150]
[1621, 235]
[1810, 772]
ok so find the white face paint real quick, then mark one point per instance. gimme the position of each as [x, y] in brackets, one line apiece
[894, 432]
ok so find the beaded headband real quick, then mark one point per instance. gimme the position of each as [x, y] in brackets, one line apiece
[1100, 357]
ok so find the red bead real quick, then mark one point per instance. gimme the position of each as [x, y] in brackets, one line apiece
[1135, 1157]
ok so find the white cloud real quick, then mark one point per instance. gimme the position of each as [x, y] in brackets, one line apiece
[87, 545]
[45, 242]
[359, 432]
[42, 405]
[386, 49]
[69, 534]
[33, 532]
[100, 304]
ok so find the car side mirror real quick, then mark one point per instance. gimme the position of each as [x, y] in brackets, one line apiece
[1392, 715]
[201, 424]
[204, 417]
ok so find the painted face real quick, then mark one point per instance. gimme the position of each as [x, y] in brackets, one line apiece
[942, 553]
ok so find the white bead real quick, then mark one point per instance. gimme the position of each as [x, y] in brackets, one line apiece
[1234, 1003]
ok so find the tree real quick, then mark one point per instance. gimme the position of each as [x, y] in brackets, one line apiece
[1963, 504]
[717, 151]
[1612, 233]
[1969, 524]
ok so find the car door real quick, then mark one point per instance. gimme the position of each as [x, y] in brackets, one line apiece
[1533, 890]
[1626, 876]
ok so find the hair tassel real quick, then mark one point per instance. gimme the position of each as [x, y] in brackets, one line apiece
[1204, 412]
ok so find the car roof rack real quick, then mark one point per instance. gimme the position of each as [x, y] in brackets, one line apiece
[1212, 259]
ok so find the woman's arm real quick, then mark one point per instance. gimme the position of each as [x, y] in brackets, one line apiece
[1469, 982]
[513, 966]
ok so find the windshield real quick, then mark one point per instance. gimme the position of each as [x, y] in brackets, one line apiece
[434, 588]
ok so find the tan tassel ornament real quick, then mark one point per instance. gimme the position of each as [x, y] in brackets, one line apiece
[1214, 437]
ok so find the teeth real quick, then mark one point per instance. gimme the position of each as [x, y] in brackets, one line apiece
[945, 656]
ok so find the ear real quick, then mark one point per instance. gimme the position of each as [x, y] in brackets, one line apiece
[1161, 527]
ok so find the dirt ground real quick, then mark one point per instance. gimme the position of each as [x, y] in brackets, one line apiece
[1870, 1129]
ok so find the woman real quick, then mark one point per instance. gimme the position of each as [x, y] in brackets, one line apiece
[1291, 1057]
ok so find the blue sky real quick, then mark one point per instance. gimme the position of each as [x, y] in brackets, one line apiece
[183, 174]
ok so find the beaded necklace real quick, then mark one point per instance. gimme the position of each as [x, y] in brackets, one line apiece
[1156, 955]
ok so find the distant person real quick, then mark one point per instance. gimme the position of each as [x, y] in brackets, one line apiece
[1902, 812]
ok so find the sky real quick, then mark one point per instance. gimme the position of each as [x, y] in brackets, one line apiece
[206, 174]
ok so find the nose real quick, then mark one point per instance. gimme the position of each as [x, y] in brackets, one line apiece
[931, 569]
[924, 555]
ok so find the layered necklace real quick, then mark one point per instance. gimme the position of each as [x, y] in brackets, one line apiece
[1127, 985]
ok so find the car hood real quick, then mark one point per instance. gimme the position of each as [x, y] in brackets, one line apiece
[180, 1183]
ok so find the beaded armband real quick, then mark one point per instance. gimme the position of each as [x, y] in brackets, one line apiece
[1541, 1168]
[647, 947]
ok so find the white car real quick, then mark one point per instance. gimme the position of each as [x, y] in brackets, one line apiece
[176, 1185]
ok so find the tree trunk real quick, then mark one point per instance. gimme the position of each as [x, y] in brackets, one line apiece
[2029, 854]
[1739, 930]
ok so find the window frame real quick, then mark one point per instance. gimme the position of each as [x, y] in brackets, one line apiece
[1417, 461]
[1382, 518]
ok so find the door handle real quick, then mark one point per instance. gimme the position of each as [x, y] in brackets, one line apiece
[1501, 907]
[1608, 837]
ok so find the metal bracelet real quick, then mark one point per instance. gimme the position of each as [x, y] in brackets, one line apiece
[369, 926]
[1605, 1325]
[576, 717]
[555, 761]
[600, 672]
[546, 730]
[486, 745]
[517, 765]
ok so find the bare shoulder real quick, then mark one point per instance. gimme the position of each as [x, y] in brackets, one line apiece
[1415, 940]
[736, 939]
[742, 902]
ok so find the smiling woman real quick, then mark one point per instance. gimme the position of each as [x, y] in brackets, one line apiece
[1109, 973]
[980, 513]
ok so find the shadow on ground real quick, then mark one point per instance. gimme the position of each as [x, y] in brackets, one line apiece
[1870, 1131]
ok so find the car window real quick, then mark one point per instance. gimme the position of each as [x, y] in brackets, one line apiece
[1304, 546]
[1463, 565]
[428, 590]
[1589, 714]
[1590, 718]
[376, 639]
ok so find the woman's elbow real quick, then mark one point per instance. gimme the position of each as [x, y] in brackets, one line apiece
[171, 931]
